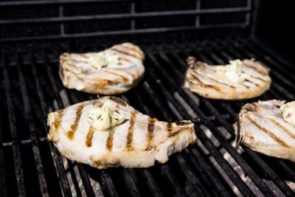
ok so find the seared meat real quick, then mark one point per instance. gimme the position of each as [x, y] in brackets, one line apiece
[107, 132]
[237, 80]
[112, 71]
[266, 127]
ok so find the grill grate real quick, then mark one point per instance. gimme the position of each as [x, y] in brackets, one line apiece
[31, 166]
[47, 19]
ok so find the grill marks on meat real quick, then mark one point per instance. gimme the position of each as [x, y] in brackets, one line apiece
[208, 81]
[74, 126]
[138, 142]
[129, 144]
[110, 140]
[84, 72]
[150, 134]
[89, 136]
[261, 127]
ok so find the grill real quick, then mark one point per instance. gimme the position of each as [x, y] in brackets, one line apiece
[30, 88]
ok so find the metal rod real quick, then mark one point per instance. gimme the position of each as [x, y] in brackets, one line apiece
[57, 2]
[64, 184]
[17, 160]
[122, 32]
[132, 15]
[27, 112]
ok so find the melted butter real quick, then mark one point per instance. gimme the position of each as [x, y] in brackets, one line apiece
[104, 59]
[232, 71]
[288, 112]
[104, 117]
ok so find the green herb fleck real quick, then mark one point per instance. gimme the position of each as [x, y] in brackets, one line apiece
[98, 117]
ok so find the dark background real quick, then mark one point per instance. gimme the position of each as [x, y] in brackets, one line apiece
[275, 26]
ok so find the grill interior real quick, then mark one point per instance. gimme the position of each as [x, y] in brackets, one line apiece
[30, 165]
[51, 19]
[33, 34]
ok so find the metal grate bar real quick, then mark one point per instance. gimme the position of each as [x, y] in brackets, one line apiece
[123, 32]
[130, 183]
[86, 181]
[56, 156]
[56, 2]
[155, 190]
[29, 119]
[64, 19]
[18, 164]
[3, 191]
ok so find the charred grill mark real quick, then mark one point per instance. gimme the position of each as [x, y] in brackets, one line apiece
[130, 48]
[125, 79]
[74, 126]
[74, 61]
[134, 50]
[169, 127]
[218, 82]
[84, 55]
[255, 77]
[256, 84]
[118, 101]
[57, 120]
[126, 59]
[175, 133]
[248, 87]
[129, 144]
[151, 127]
[183, 123]
[134, 76]
[122, 51]
[204, 84]
[269, 133]
[283, 128]
[110, 139]
[74, 74]
[102, 83]
[256, 69]
[89, 136]
[239, 135]
[63, 58]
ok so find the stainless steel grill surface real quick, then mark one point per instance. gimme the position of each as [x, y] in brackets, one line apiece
[31, 166]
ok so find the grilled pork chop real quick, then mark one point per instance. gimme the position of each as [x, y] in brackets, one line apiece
[107, 132]
[268, 127]
[112, 71]
[237, 80]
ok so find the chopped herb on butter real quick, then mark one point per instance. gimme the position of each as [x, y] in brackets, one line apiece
[104, 118]
[105, 59]
[288, 112]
